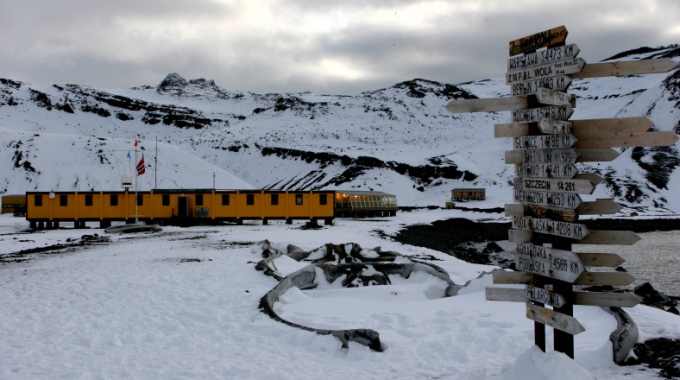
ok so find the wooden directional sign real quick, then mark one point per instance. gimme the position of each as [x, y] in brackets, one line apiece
[545, 170]
[554, 213]
[544, 142]
[543, 57]
[536, 114]
[596, 179]
[541, 156]
[579, 128]
[558, 185]
[554, 319]
[555, 98]
[580, 298]
[536, 41]
[557, 83]
[621, 68]
[554, 263]
[529, 293]
[551, 227]
[611, 238]
[606, 299]
[547, 198]
[544, 296]
[586, 278]
[611, 140]
[600, 207]
[600, 259]
[571, 66]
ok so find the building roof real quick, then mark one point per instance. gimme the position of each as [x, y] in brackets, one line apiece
[358, 192]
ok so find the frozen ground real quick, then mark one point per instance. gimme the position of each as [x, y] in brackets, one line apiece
[183, 304]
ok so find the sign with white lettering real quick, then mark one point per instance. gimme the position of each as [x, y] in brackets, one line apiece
[554, 263]
[536, 114]
[545, 170]
[554, 213]
[571, 66]
[558, 185]
[541, 156]
[547, 198]
[551, 227]
[554, 319]
[544, 142]
[543, 57]
[544, 296]
[557, 83]
[555, 98]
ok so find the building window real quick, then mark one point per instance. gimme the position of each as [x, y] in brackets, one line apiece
[275, 199]
[37, 201]
[166, 200]
[114, 199]
[63, 200]
[140, 199]
[250, 199]
[225, 199]
[323, 199]
[88, 199]
[298, 199]
[199, 199]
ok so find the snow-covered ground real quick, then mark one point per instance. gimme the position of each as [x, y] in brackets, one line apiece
[183, 304]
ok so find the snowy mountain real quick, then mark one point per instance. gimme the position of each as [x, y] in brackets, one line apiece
[399, 140]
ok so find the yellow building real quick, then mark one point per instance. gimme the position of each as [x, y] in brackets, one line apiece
[15, 204]
[468, 194]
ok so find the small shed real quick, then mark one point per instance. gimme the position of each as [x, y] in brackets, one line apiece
[468, 194]
[14, 203]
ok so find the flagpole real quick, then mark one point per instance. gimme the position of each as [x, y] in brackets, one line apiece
[136, 175]
[155, 167]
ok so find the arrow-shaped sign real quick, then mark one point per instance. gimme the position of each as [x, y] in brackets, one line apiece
[534, 211]
[544, 142]
[551, 227]
[558, 83]
[545, 170]
[580, 298]
[555, 98]
[542, 57]
[554, 319]
[622, 68]
[558, 185]
[547, 198]
[554, 263]
[536, 114]
[571, 66]
[579, 128]
[554, 36]
[586, 278]
[559, 156]
[625, 139]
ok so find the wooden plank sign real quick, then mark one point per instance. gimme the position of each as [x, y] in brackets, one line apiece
[543, 57]
[563, 214]
[536, 41]
[586, 278]
[554, 319]
[555, 98]
[571, 66]
[557, 83]
[558, 185]
[611, 238]
[600, 259]
[541, 156]
[551, 227]
[599, 207]
[545, 170]
[544, 296]
[544, 142]
[627, 139]
[555, 126]
[536, 114]
[580, 298]
[547, 198]
[621, 68]
[554, 263]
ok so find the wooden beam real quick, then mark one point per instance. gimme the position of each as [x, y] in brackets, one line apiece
[560, 156]
[600, 259]
[610, 238]
[488, 105]
[579, 128]
[596, 179]
[599, 207]
[555, 213]
[621, 68]
[580, 298]
[586, 278]
[626, 139]
[554, 319]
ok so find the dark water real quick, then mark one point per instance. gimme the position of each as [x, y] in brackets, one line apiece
[654, 259]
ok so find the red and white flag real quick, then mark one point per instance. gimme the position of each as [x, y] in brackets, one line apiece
[141, 169]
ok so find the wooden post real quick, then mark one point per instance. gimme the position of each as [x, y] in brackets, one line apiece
[564, 342]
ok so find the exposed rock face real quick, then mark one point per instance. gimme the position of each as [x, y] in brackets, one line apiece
[173, 80]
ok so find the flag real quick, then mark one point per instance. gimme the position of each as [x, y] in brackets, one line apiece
[128, 155]
[141, 169]
[136, 142]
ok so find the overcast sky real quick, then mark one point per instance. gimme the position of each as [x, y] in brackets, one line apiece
[323, 46]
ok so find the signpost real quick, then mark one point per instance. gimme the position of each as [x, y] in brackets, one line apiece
[546, 144]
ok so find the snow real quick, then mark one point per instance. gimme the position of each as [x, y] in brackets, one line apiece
[183, 304]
